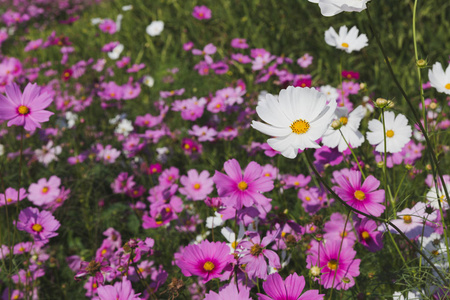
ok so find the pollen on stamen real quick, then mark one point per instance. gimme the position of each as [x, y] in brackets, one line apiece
[447, 86]
[242, 185]
[345, 45]
[23, 110]
[359, 195]
[390, 133]
[343, 120]
[196, 186]
[300, 126]
[208, 266]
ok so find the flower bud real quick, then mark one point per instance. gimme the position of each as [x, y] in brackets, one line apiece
[314, 271]
[421, 63]
[381, 102]
[336, 124]
[380, 164]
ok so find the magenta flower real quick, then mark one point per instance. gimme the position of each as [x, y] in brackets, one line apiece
[94, 268]
[253, 254]
[121, 291]
[242, 190]
[25, 109]
[365, 197]
[290, 289]
[108, 26]
[230, 292]
[196, 187]
[10, 196]
[206, 260]
[201, 13]
[239, 43]
[368, 235]
[337, 266]
[42, 225]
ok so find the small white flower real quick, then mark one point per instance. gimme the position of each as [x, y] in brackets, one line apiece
[230, 236]
[348, 41]
[115, 53]
[155, 28]
[214, 221]
[119, 22]
[127, 7]
[148, 80]
[398, 133]
[125, 127]
[295, 119]
[114, 120]
[96, 21]
[162, 154]
[330, 8]
[71, 119]
[433, 198]
[350, 124]
[367, 105]
[330, 92]
[439, 79]
[48, 153]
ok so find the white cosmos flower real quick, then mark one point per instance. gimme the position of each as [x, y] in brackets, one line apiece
[125, 127]
[148, 80]
[115, 53]
[330, 8]
[230, 236]
[214, 221]
[398, 133]
[127, 7]
[346, 40]
[433, 198]
[296, 119]
[95, 21]
[155, 28]
[330, 92]
[119, 22]
[350, 124]
[439, 79]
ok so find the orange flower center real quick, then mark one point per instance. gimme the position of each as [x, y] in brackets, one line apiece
[345, 45]
[208, 266]
[300, 126]
[390, 133]
[332, 264]
[343, 120]
[359, 195]
[365, 235]
[196, 186]
[242, 185]
[23, 110]
[407, 219]
[45, 190]
[37, 227]
[447, 86]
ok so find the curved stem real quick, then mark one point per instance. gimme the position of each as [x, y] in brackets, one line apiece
[354, 155]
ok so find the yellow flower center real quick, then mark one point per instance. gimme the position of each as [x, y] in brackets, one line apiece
[435, 252]
[186, 146]
[343, 234]
[67, 74]
[168, 209]
[208, 266]
[94, 285]
[256, 250]
[23, 110]
[407, 219]
[234, 244]
[343, 120]
[447, 86]
[365, 235]
[300, 126]
[307, 198]
[196, 186]
[359, 195]
[9, 200]
[242, 185]
[45, 190]
[21, 249]
[296, 183]
[332, 264]
[37, 227]
[104, 252]
[345, 45]
[390, 133]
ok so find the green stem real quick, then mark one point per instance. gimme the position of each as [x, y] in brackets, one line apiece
[354, 155]
[384, 166]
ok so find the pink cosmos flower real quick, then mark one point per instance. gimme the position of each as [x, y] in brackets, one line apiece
[33, 45]
[196, 187]
[305, 60]
[290, 289]
[239, 43]
[204, 133]
[336, 230]
[44, 192]
[42, 225]
[206, 260]
[25, 109]
[121, 291]
[108, 26]
[209, 49]
[242, 189]
[201, 13]
[364, 197]
[230, 292]
[10, 196]
[368, 236]
[253, 253]
[337, 266]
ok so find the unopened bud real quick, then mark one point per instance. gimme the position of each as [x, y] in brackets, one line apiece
[285, 211]
[390, 104]
[336, 124]
[362, 86]
[381, 102]
[380, 164]
[428, 167]
[409, 167]
[433, 105]
[421, 63]
[314, 271]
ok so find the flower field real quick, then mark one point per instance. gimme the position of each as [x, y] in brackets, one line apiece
[260, 149]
